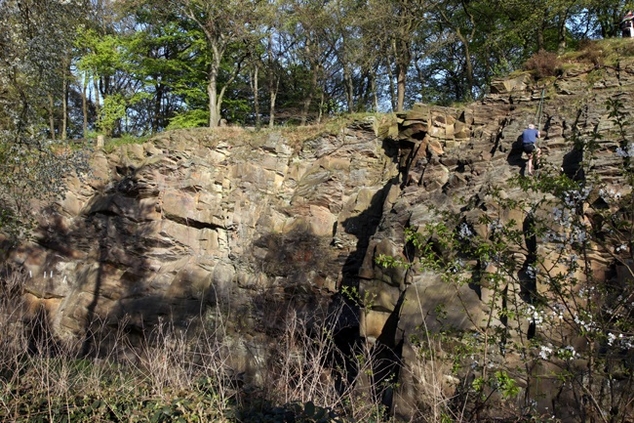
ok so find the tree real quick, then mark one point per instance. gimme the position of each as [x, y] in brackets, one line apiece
[603, 17]
[222, 24]
[305, 23]
[168, 65]
[394, 25]
[35, 40]
[142, 66]
[108, 61]
[274, 73]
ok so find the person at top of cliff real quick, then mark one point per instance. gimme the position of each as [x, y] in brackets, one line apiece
[627, 25]
[529, 140]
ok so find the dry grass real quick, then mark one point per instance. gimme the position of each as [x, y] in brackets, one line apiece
[606, 52]
[192, 374]
[295, 135]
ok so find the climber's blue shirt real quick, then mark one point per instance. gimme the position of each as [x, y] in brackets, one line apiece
[529, 136]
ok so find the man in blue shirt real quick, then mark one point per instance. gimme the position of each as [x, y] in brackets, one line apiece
[529, 138]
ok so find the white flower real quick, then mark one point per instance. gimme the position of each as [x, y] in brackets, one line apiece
[567, 353]
[611, 338]
[579, 235]
[465, 231]
[587, 326]
[558, 311]
[534, 315]
[545, 352]
[496, 225]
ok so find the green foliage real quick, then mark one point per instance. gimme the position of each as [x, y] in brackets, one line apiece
[387, 261]
[113, 110]
[109, 405]
[36, 40]
[506, 385]
[414, 237]
[351, 293]
[32, 168]
[112, 144]
[316, 60]
[189, 119]
[236, 111]
[104, 55]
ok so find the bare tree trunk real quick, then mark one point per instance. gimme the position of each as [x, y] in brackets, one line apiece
[305, 107]
[468, 65]
[256, 98]
[273, 81]
[84, 106]
[561, 48]
[158, 120]
[349, 88]
[215, 95]
[97, 104]
[314, 67]
[322, 100]
[402, 57]
[274, 85]
[375, 95]
[401, 73]
[51, 117]
[390, 75]
[215, 98]
[272, 99]
[65, 79]
[212, 92]
[309, 97]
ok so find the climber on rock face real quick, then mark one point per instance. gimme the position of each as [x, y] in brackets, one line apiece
[529, 139]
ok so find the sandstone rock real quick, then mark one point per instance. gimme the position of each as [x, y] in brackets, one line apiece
[506, 86]
[372, 323]
[187, 224]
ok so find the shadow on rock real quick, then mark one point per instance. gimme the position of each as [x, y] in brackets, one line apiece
[516, 155]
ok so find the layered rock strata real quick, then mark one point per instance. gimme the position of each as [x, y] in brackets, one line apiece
[253, 223]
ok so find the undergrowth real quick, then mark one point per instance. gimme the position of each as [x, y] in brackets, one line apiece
[172, 374]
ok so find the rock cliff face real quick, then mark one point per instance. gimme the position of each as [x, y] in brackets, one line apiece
[241, 223]
[255, 224]
[454, 161]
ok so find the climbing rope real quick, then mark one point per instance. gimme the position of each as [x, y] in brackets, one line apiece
[538, 115]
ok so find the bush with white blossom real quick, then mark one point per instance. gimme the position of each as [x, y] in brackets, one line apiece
[569, 325]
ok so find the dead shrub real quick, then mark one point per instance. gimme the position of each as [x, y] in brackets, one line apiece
[543, 64]
[591, 52]
[592, 56]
